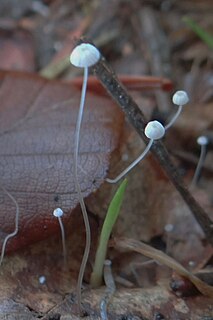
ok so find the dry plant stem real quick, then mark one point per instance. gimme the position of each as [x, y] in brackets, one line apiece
[164, 259]
[135, 116]
[80, 196]
[11, 235]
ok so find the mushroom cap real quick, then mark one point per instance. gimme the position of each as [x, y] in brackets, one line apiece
[202, 140]
[42, 279]
[84, 55]
[154, 130]
[58, 212]
[180, 98]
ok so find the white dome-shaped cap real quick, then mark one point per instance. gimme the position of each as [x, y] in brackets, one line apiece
[84, 55]
[202, 140]
[180, 98]
[58, 212]
[154, 130]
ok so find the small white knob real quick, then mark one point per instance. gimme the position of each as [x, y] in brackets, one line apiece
[58, 213]
[202, 140]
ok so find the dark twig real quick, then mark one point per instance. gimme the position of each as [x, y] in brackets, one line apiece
[135, 116]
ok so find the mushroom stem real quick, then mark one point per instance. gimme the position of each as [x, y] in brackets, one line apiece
[153, 131]
[11, 235]
[80, 196]
[202, 141]
[174, 118]
[110, 289]
[58, 213]
[134, 163]
[63, 241]
[83, 56]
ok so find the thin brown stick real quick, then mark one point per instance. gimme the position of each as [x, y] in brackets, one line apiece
[136, 117]
[164, 259]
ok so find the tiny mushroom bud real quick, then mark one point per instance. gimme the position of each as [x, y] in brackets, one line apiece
[154, 130]
[83, 56]
[202, 141]
[169, 227]
[180, 98]
[58, 213]
[42, 279]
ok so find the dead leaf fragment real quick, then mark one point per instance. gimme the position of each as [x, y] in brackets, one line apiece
[37, 125]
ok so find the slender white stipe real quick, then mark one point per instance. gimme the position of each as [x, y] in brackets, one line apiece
[108, 277]
[14, 233]
[58, 213]
[174, 118]
[154, 130]
[169, 234]
[202, 141]
[132, 165]
[83, 56]
[180, 98]
[110, 289]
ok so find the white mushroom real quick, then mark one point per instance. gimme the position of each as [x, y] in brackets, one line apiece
[58, 213]
[180, 98]
[202, 141]
[83, 56]
[154, 130]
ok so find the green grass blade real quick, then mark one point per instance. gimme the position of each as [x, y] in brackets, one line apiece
[200, 32]
[109, 222]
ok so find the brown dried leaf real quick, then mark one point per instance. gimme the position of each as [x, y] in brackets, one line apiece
[37, 124]
[17, 50]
